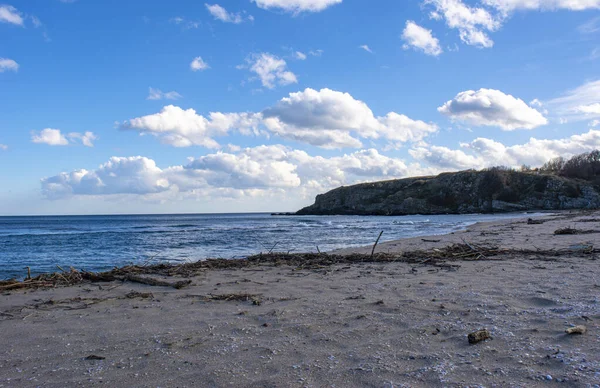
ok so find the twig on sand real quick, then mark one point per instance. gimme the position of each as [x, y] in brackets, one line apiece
[474, 250]
[375, 245]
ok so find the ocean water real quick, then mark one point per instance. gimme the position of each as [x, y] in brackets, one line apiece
[97, 243]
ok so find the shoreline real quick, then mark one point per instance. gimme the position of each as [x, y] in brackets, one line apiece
[399, 318]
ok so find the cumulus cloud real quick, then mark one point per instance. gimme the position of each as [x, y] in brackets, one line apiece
[421, 39]
[581, 103]
[296, 6]
[472, 23]
[133, 175]
[198, 64]
[49, 136]
[8, 65]
[184, 128]
[476, 23]
[489, 107]
[9, 14]
[258, 169]
[323, 118]
[332, 119]
[484, 152]
[220, 13]
[157, 94]
[54, 137]
[270, 69]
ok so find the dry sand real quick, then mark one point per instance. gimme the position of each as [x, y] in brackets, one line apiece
[362, 325]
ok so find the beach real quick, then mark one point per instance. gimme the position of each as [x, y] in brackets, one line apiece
[365, 323]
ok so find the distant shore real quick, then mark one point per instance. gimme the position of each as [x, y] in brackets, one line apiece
[397, 317]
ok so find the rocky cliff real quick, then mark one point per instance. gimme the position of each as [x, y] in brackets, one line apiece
[458, 193]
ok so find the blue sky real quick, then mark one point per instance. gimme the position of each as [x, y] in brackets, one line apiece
[258, 105]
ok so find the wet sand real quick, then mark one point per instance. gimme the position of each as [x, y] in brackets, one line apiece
[361, 325]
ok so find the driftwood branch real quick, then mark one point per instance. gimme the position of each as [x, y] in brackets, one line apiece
[375, 245]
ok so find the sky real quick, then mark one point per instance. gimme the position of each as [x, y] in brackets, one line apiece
[136, 106]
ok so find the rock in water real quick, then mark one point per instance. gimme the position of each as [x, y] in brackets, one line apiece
[478, 336]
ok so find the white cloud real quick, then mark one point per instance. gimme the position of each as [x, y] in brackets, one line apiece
[544, 5]
[595, 123]
[184, 128]
[157, 94]
[199, 64]
[8, 65]
[581, 103]
[332, 119]
[221, 14]
[9, 14]
[300, 55]
[255, 170]
[86, 138]
[366, 48]
[475, 23]
[49, 136]
[491, 107]
[270, 69]
[133, 175]
[472, 23]
[54, 137]
[483, 152]
[3, 147]
[420, 38]
[592, 109]
[297, 6]
[324, 118]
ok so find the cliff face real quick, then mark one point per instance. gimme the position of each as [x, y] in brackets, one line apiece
[459, 193]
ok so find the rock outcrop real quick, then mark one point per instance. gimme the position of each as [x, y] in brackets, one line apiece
[489, 191]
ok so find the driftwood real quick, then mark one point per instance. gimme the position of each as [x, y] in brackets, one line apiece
[576, 330]
[438, 257]
[375, 245]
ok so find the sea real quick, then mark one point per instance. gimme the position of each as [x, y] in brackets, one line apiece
[99, 243]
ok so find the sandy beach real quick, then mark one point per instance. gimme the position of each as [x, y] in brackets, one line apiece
[393, 323]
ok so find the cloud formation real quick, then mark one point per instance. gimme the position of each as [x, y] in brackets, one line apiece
[157, 94]
[8, 65]
[9, 14]
[54, 137]
[421, 39]
[489, 107]
[262, 168]
[472, 23]
[484, 152]
[198, 64]
[270, 69]
[220, 13]
[581, 103]
[544, 5]
[366, 48]
[323, 118]
[296, 6]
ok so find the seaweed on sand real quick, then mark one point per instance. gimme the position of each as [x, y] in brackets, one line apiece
[438, 257]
